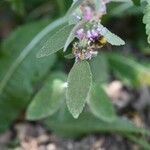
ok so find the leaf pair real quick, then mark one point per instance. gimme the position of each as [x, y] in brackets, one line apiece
[65, 35]
[82, 89]
[79, 91]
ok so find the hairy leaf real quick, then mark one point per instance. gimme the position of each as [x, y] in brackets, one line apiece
[99, 69]
[22, 80]
[48, 100]
[35, 43]
[100, 104]
[112, 38]
[71, 36]
[79, 83]
[55, 42]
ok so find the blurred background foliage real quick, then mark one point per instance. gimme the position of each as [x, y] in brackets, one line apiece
[24, 19]
[21, 20]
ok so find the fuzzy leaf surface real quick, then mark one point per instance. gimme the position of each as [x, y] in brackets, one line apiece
[79, 84]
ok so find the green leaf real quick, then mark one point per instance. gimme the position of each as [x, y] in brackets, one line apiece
[112, 38]
[146, 20]
[79, 83]
[49, 99]
[18, 83]
[129, 69]
[69, 40]
[99, 69]
[100, 104]
[27, 49]
[63, 124]
[60, 38]
[71, 36]
[124, 66]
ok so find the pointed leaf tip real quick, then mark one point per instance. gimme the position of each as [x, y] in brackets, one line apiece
[56, 42]
[79, 84]
[112, 38]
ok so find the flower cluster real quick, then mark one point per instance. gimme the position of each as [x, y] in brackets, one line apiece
[91, 31]
[84, 52]
[88, 45]
[87, 11]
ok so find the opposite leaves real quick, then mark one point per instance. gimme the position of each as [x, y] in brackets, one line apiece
[79, 84]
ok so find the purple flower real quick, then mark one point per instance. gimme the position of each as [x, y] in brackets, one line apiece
[94, 33]
[89, 34]
[88, 13]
